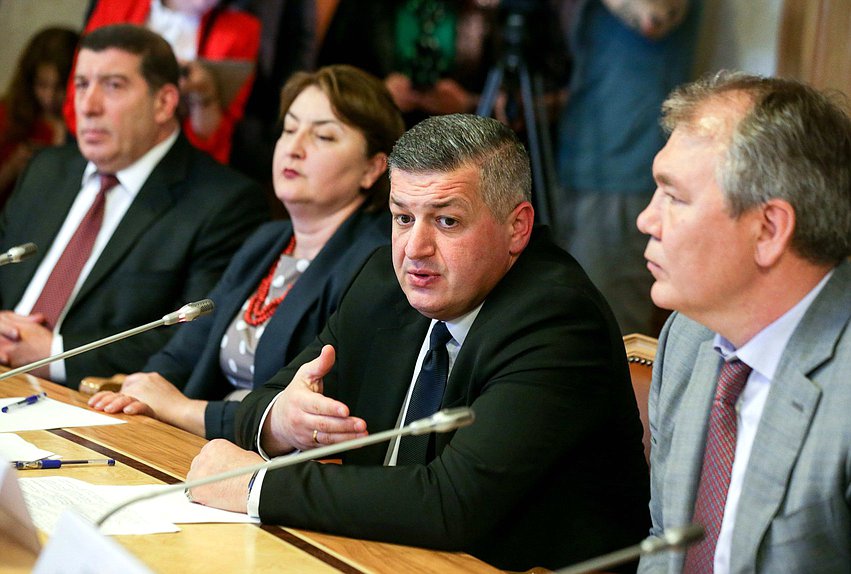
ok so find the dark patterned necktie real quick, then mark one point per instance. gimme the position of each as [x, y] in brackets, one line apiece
[67, 270]
[426, 396]
[717, 466]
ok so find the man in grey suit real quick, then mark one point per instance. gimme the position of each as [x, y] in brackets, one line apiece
[118, 256]
[750, 230]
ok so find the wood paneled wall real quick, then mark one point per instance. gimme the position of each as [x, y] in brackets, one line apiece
[815, 43]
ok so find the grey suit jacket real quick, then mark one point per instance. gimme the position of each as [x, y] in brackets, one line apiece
[793, 514]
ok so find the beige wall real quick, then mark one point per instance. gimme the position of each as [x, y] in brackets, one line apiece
[739, 35]
[20, 19]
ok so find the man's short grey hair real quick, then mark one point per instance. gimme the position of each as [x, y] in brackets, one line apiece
[441, 144]
[794, 143]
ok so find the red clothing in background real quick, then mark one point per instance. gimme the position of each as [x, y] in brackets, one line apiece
[230, 35]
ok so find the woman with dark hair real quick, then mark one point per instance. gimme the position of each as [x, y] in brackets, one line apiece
[31, 110]
[330, 172]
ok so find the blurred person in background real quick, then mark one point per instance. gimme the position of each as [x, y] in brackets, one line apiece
[627, 55]
[196, 30]
[31, 109]
[435, 55]
[287, 45]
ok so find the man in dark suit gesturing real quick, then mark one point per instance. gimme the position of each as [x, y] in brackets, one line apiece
[551, 472]
[130, 223]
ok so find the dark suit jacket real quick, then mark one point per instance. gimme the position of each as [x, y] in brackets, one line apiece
[551, 472]
[191, 358]
[170, 248]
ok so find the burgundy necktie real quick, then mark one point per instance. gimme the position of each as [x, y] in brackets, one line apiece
[67, 270]
[717, 465]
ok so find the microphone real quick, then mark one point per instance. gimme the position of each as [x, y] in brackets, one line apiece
[670, 539]
[187, 313]
[441, 421]
[18, 253]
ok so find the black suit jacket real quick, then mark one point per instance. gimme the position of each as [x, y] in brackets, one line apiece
[170, 248]
[191, 358]
[551, 472]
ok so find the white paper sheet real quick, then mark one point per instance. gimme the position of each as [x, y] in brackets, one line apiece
[49, 414]
[13, 447]
[15, 522]
[48, 496]
[77, 547]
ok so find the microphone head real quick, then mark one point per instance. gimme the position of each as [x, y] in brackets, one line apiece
[20, 252]
[202, 307]
[673, 538]
[190, 312]
[684, 535]
[444, 421]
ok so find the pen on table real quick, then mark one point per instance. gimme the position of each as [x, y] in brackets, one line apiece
[48, 463]
[30, 400]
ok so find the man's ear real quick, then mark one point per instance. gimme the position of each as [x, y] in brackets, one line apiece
[165, 103]
[776, 229]
[521, 220]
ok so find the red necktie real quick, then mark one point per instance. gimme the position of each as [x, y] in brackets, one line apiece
[717, 465]
[67, 270]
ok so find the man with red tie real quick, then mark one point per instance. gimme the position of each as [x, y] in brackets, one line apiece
[131, 222]
[750, 231]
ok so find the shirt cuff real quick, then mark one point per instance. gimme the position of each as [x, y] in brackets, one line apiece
[262, 424]
[253, 505]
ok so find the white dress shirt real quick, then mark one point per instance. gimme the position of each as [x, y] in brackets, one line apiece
[179, 30]
[762, 354]
[118, 201]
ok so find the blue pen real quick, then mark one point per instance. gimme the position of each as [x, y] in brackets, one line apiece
[50, 463]
[30, 400]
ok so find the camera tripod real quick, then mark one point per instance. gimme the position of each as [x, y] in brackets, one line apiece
[513, 66]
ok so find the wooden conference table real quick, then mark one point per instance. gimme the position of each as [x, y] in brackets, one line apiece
[148, 451]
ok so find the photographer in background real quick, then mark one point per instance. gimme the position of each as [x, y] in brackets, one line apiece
[434, 55]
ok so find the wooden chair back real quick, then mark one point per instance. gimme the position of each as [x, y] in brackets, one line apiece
[641, 352]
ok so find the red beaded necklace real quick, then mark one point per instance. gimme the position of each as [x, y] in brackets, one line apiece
[257, 311]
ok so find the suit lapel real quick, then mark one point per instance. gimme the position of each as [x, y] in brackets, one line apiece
[393, 353]
[687, 445]
[472, 353]
[155, 197]
[50, 220]
[280, 328]
[310, 286]
[789, 409]
[791, 404]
